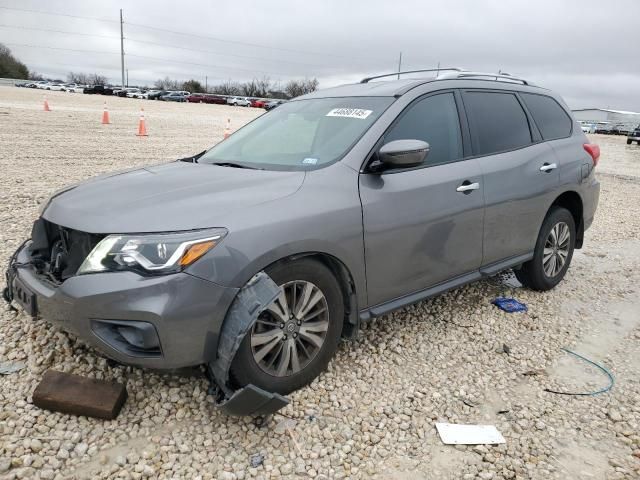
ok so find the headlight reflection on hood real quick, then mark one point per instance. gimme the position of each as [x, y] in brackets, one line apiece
[151, 253]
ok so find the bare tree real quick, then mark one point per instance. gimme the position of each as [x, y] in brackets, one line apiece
[35, 76]
[264, 86]
[227, 88]
[167, 84]
[295, 88]
[95, 79]
[86, 78]
[250, 89]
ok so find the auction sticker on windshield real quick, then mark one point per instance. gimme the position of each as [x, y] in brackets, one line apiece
[349, 113]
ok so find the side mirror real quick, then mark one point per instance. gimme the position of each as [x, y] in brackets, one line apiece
[403, 153]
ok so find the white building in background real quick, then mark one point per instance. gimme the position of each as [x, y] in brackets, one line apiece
[604, 115]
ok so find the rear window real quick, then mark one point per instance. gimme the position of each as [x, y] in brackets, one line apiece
[498, 122]
[551, 119]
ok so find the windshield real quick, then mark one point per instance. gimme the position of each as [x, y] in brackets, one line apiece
[300, 135]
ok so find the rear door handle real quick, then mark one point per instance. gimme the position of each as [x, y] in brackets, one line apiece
[467, 187]
[547, 167]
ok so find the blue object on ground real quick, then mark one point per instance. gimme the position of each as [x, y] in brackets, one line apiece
[509, 305]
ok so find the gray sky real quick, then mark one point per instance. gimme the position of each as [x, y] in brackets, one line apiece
[580, 48]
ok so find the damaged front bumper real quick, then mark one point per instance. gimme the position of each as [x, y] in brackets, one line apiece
[150, 322]
[154, 322]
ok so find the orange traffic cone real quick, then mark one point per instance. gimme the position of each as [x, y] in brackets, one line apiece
[46, 105]
[105, 115]
[142, 128]
[227, 129]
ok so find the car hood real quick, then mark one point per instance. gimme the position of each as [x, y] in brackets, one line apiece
[170, 197]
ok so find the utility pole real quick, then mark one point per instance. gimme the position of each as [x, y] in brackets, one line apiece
[206, 84]
[399, 65]
[127, 77]
[122, 48]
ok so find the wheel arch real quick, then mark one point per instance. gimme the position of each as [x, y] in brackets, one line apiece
[345, 281]
[572, 201]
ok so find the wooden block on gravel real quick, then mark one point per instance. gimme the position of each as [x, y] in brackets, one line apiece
[68, 393]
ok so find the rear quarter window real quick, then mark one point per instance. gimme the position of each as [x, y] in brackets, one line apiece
[551, 119]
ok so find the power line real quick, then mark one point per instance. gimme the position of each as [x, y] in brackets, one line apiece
[223, 67]
[59, 14]
[19, 27]
[66, 32]
[60, 48]
[73, 66]
[236, 42]
[218, 53]
[174, 32]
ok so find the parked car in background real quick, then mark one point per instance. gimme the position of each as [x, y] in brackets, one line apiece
[133, 93]
[239, 101]
[604, 128]
[273, 104]
[197, 98]
[634, 136]
[55, 87]
[620, 129]
[217, 99]
[174, 97]
[156, 94]
[42, 84]
[587, 127]
[76, 89]
[98, 90]
[258, 102]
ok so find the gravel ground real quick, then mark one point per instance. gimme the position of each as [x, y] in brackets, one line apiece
[454, 358]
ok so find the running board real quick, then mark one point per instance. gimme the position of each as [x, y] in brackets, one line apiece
[486, 271]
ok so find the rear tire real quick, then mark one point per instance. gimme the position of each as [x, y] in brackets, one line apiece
[629, 142]
[320, 322]
[553, 252]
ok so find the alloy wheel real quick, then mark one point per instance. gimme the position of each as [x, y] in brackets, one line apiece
[288, 335]
[556, 249]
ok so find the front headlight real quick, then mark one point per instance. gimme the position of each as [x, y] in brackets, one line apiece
[151, 253]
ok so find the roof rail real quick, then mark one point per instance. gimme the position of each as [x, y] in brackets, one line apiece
[441, 69]
[495, 76]
[455, 72]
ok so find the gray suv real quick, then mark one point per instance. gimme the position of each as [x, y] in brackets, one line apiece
[255, 257]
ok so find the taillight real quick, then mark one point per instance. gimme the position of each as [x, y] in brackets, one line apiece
[593, 150]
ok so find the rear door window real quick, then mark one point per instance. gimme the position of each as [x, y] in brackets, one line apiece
[498, 122]
[551, 119]
[433, 119]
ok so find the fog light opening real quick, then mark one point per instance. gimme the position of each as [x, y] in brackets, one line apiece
[134, 338]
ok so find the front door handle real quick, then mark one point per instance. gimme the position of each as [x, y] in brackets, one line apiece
[547, 167]
[467, 187]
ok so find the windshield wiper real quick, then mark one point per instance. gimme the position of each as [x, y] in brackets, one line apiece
[234, 165]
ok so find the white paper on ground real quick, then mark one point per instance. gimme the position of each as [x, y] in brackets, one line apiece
[453, 434]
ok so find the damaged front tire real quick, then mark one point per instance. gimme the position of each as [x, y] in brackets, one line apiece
[294, 339]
